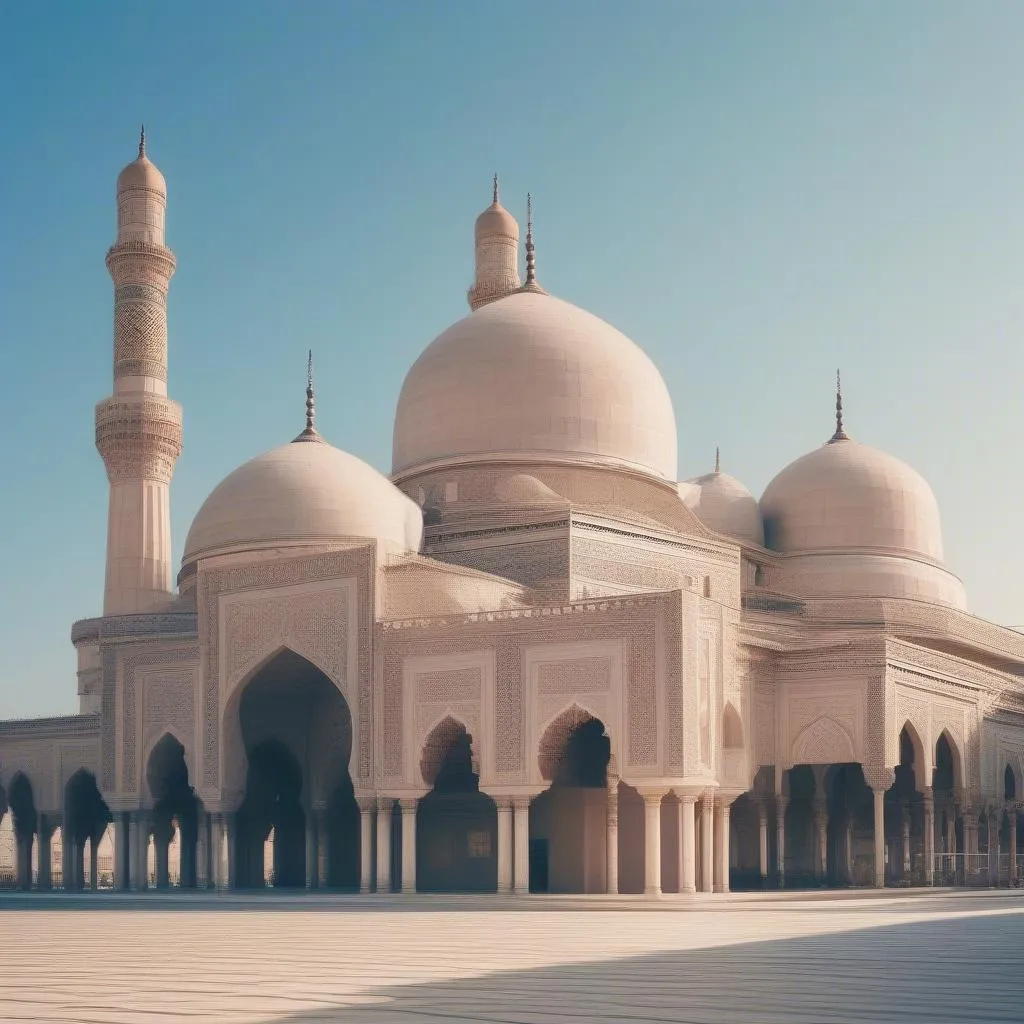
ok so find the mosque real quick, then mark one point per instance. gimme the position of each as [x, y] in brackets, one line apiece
[530, 660]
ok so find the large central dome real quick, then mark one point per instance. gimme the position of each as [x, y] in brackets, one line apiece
[530, 377]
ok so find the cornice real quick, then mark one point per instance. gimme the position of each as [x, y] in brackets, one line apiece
[63, 726]
[132, 627]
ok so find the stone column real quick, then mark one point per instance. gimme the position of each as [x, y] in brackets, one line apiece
[384, 807]
[687, 843]
[821, 834]
[722, 812]
[1011, 814]
[929, 836]
[231, 849]
[762, 834]
[120, 837]
[504, 805]
[312, 853]
[202, 852]
[366, 808]
[994, 816]
[707, 845]
[68, 876]
[94, 866]
[521, 829]
[905, 813]
[848, 839]
[138, 848]
[409, 805]
[162, 842]
[879, 799]
[611, 840]
[652, 840]
[44, 881]
[780, 836]
[23, 854]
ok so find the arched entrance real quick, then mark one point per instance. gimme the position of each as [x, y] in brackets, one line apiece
[175, 816]
[946, 789]
[568, 821]
[86, 817]
[456, 824]
[295, 732]
[904, 813]
[26, 820]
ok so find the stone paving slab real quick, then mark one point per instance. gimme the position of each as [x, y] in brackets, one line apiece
[934, 957]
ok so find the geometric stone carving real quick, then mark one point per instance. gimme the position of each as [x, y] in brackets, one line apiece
[823, 742]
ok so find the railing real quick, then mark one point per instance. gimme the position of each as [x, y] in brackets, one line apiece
[977, 869]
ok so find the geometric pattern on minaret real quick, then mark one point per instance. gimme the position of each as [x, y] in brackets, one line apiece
[138, 429]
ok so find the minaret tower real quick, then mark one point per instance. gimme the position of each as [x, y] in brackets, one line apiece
[496, 236]
[138, 429]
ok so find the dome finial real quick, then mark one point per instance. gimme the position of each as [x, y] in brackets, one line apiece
[718, 459]
[531, 260]
[310, 433]
[495, 197]
[840, 434]
[142, 142]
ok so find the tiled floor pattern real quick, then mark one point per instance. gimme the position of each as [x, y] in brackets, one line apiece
[782, 959]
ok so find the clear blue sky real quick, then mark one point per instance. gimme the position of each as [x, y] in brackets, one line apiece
[756, 192]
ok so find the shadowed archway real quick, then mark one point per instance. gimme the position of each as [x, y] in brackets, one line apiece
[175, 812]
[86, 817]
[456, 824]
[26, 821]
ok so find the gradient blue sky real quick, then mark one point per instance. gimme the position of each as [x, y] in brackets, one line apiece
[757, 192]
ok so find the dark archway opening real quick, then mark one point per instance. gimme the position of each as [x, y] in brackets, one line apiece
[86, 817]
[456, 824]
[568, 821]
[26, 822]
[296, 730]
[175, 811]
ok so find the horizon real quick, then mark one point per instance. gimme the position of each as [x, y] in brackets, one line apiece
[754, 196]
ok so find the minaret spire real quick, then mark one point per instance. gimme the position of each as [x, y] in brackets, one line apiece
[310, 433]
[142, 142]
[495, 198]
[718, 460]
[531, 258]
[840, 434]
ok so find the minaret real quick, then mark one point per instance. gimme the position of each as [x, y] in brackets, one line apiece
[138, 429]
[496, 236]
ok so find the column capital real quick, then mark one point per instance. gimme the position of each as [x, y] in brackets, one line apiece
[366, 804]
[688, 794]
[652, 795]
[408, 804]
[879, 777]
[385, 804]
[521, 802]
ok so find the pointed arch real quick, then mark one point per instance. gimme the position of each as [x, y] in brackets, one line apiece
[948, 761]
[21, 798]
[918, 760]
[440, 740]
[824, 741]
[1011, 787]
[558, 734]
[732, 728]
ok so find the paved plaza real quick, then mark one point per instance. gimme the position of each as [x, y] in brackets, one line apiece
[793, 958]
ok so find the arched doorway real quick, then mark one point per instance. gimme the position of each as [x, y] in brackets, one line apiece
[568, 821]
[86, 817]
[294, 736]
[456, 824]
[851, 826]
[904, 813]
[175, 816]
[946, 790]
[26, 820]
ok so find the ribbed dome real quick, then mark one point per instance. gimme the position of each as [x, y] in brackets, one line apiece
[303, 492]
[141, 173]
[845, 496]
[724, 505]
[532, 377]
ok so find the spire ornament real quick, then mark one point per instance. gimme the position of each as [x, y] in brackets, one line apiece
[495, 199]
[531, 258]
[840, 434]
[142, 143]
[310, 433]
[718, 459]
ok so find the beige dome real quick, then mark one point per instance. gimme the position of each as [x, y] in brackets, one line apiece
[847, 496]
[530, 377]
[724, 505]
[495, 220]
[141, 173]
[303, 492]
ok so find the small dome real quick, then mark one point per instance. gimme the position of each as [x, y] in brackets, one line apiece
[524, 489]
[724, 505]
[141, 173]
[495, 220]
[532, 378]
[847, 496]
[303, 492]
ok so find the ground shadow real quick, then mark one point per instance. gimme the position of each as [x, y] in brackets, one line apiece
[954, 971]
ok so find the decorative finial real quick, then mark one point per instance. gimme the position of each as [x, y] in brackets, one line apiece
[531, 261]
[495, 188]
[840, 434]
[142, 142]
[310, 433]
[718, 460]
